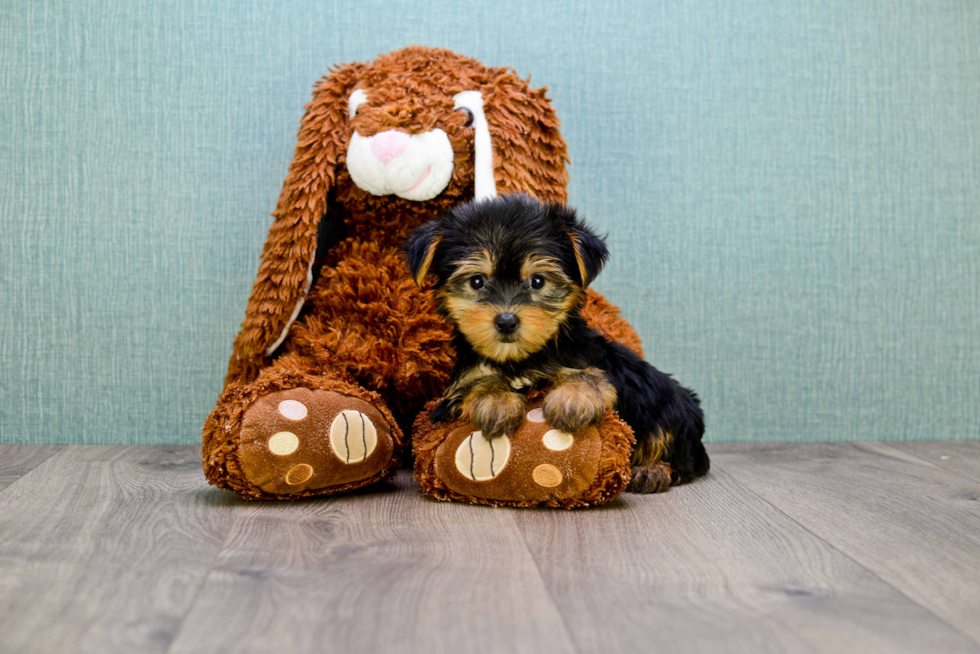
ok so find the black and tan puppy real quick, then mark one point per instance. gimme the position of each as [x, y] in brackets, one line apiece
[512, 273]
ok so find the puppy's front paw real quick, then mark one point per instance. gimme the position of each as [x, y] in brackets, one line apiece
[497, 414]
[572, 407]
[447, 409]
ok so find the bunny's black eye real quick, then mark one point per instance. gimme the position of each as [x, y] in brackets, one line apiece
[537, 282]
[477, 282]
[357, 98]
[469, 116]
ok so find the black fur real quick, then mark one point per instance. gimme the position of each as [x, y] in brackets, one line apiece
[513, 228]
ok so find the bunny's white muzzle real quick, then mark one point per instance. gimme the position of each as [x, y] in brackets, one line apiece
[412, 166]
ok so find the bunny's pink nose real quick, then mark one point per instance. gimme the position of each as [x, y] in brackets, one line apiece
[388, 145]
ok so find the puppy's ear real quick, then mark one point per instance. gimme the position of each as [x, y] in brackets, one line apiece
[590, 252]
[589, 248]
[420, 250]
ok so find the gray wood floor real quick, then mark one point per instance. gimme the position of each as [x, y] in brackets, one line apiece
[862, 547]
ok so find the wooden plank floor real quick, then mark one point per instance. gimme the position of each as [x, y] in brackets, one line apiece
[823, 547]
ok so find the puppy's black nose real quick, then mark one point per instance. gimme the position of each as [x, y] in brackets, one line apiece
[506, 323]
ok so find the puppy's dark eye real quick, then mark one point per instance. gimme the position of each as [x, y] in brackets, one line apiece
[537, 282]
[469, 116]
[477, 282]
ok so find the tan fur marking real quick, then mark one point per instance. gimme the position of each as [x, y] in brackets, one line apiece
[480, 263]
[534, 264]
[538, 326]
[577, 246]
[430, 253]
[653, 448]
[473, 374]
[476, 321]
[469, 377]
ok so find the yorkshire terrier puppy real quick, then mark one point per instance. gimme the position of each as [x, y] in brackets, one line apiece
[512, 274]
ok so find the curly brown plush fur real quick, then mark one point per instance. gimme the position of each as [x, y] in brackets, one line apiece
[412, 90]
[223, 462]
[363, 322]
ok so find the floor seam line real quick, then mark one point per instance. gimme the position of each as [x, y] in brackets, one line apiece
[975, 480]
[32, 469]
[204, 580]
[850, 558]
[554, 602]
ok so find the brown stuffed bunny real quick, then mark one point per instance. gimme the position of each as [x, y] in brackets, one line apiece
[340, 349]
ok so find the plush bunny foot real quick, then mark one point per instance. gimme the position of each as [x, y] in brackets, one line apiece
[537, 465]
[299, 442]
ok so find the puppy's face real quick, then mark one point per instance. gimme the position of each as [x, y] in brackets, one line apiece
[508, 298]
[510, 271]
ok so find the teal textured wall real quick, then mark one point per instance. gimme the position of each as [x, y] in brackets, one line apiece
[791, 192]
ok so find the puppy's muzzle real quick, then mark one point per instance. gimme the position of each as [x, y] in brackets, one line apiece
[506, 323]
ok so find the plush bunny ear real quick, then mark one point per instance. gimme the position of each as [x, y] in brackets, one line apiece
[285, 273]
[421, 248]
[529, 151]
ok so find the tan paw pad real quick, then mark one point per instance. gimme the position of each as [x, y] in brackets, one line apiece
[479, 459]
[353, 436]
[536, 415]
[292, 410]
[557, 441]
[547, 475]
[298, 474]
[283, 443]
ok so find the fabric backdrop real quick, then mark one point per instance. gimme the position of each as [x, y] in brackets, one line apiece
[791, 192]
